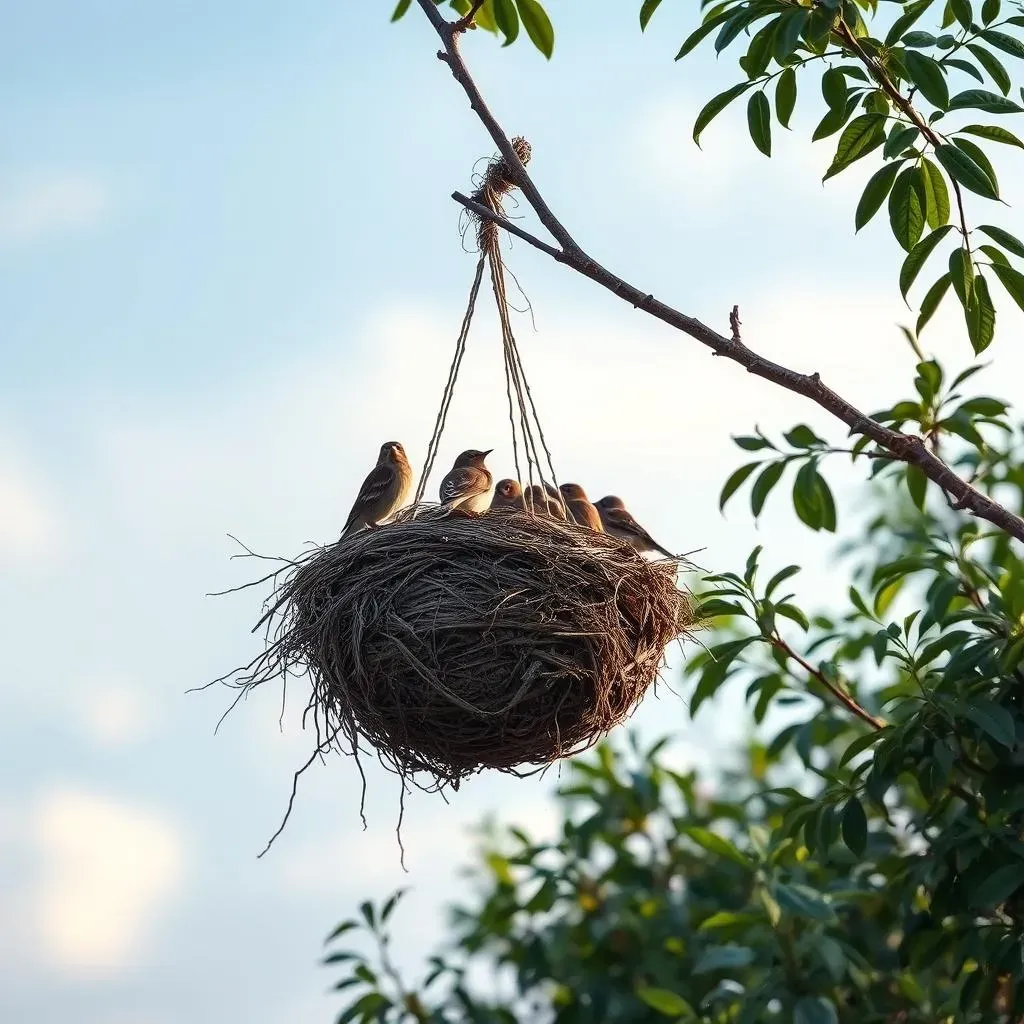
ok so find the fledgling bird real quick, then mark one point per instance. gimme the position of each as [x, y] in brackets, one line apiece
[469, 484]
[580, 507]
[617, 521]
[384, 490]
[508, 493]
[540, 503]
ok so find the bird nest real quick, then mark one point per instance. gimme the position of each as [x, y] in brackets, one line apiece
[456, 642]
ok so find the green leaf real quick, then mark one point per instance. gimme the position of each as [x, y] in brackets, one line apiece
[910, 15]
[716, 844]
[966, 67]
[726, 918]
[648, 8]
[994, 133]
[991, 63]
[918, 255]
[993, 719]
[507, 19]
[718, 958]
[981, 99]
[877, 188]
[921, 40]
[400, 8]
[1012, 280]
[1001, 41]
[900, 138]
[701, 33]
[999, 886]
[806, 500]
[1009, 242]
[960, 167]
[936, 195]
[827, 503]
[994, 254]
[759, 122]
[962, 12]
[906, 208]
[961, 272]
[665, 1002]
[735, 481]
[977, 154]
[780, 577]
[859, 745]
[981, 316]
[834, 120]
[751, 442]
[928, 76]
[787, 34]
[801, 436]
[785, 96]
[855, 826]
[917, 485]
[931, 301]
[715, 106]
[990, 11]
[537, 25]
[860, 137]
[834, 88]
[345, 926]
[815, 1010]
[390, 904]
[768, 478]
[366, 909]
[802, 901]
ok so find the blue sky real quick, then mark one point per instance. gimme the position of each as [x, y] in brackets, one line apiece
[229, 268]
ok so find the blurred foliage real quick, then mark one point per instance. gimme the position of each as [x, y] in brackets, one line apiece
[862, 858]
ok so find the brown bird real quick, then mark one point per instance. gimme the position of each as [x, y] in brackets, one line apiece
[617, 521]
[580, 507]
[508, 493]
[384, 490]
[538, 501]
[468, 484]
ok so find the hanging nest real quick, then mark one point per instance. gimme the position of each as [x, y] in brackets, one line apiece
[453, 642]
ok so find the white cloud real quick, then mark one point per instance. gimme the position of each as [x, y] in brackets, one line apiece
[108, 871]
[50, 205]
[115, 712]
[32, 530]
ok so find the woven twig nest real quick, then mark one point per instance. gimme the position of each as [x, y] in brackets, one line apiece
[456, 642]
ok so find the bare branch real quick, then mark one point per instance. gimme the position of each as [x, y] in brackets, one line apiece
[908, 448]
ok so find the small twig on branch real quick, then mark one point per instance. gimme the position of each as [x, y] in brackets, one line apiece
[908, 448]
[844, 698]
[734, 325]
[463, 23]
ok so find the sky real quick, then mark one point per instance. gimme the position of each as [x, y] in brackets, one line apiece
[229, 269]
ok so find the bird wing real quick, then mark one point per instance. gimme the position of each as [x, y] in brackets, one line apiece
[624, 521]
[374, 488]
[463, 483]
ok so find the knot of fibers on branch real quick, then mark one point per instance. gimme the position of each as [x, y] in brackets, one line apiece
[455, 642]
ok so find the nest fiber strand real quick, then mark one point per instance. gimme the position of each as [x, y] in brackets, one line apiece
[452, 642]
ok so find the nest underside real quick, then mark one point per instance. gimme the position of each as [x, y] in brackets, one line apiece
[452, 642]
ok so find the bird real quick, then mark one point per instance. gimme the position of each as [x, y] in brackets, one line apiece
[580, 507]
[468, 485]
[384, 490]
[540, 503]
[508, 493]
[618, 522]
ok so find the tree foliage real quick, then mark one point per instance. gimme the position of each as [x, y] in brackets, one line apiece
[862, 858]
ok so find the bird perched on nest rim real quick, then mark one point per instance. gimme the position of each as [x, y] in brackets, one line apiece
[508, 493]
[580, 507]
[468, 485]
[540, 502]
[617, 521]
[384, 490]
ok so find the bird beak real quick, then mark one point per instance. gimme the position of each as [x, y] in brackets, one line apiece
[488, 452]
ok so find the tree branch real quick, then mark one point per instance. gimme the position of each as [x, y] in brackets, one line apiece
[844, 698]
[907, 447]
